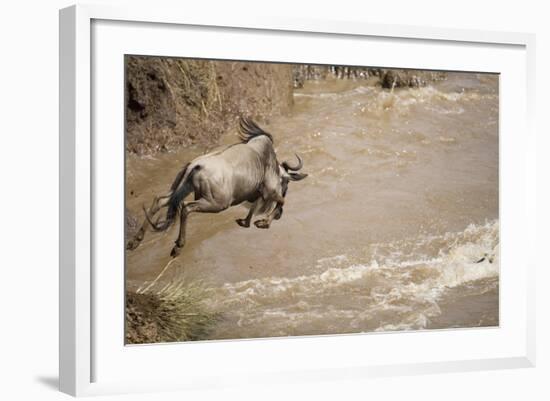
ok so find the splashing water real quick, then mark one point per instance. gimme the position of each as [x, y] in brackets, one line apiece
[390, 291]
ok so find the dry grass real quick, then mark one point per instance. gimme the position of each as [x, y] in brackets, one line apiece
[175, 312]
[173, 103]
[199, 80]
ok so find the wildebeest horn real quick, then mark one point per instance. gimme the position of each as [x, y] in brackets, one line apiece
[288, 166]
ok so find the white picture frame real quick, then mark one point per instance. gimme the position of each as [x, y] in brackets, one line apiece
[91, 361]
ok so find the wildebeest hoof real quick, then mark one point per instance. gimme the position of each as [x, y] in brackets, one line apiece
[278, 214]
[261, 223]
[132, 244]
[243, 223]
[176, 250]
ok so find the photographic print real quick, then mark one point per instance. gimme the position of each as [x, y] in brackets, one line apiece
[271, 199]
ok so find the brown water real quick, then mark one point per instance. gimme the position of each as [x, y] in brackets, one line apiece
[400, 202]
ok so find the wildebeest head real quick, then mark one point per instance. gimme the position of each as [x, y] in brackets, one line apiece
[289, 172]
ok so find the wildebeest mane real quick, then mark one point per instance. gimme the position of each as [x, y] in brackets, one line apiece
[249, 130]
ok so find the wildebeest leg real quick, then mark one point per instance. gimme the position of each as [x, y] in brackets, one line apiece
[158, 203]
[201, 206]
[276, 212]
[180, 241]
[246, 221]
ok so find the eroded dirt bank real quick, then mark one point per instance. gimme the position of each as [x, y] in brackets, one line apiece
[173, 102]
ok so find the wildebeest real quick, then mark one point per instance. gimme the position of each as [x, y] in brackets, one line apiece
[247, 171]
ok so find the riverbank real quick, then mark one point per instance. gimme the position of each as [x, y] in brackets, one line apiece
[176, 312]
[388, 78]
[173, 103]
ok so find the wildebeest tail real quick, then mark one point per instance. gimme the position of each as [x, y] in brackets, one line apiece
[178, 178]
[181, 187]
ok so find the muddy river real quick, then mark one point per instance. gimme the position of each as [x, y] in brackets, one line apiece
[400, 203]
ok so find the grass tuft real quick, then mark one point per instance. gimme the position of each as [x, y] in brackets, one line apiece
[176, 312]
